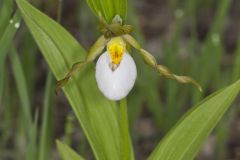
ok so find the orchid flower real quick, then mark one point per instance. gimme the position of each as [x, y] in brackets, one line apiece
[115, 68]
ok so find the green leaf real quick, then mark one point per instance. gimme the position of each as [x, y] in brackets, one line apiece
[5, 11]
[108, 8]
[66, 152]
[30, 126]
[47, 128]
[98, 116]
[7, 37]
[6, 31]
[22, 89]
[185, 139]
[7, 34]
[31, 149]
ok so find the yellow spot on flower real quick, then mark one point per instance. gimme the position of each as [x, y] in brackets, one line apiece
[116, 48]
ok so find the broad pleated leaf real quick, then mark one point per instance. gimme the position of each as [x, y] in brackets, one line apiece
[108, 8]
[98, 116]
[186, 138]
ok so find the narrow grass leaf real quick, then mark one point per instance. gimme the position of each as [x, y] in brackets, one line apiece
[68, 129]
[7, 37]
[21, 88]
[29, 50]
[185, 139]
[46, 128]
[66, 152]
[31, 151]
[30, 127]
[5, 12]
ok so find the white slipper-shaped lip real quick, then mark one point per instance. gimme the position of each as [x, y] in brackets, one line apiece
[115, 85]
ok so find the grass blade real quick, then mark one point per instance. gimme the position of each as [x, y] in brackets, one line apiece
[5, 12]
[6, 39]
[45, 135]
[31, 151]
[29, 126]
[21, 88]
[66, 152]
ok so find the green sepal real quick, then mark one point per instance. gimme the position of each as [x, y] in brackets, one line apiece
[151, 61]
[96, 48]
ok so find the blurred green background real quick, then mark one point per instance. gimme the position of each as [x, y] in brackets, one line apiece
[199, 38]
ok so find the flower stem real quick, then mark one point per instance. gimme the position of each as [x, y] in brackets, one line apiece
[125, 140]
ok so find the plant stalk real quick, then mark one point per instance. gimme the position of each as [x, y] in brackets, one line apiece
[125, 141]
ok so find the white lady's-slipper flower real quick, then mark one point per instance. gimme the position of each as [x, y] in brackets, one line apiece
[115, 70]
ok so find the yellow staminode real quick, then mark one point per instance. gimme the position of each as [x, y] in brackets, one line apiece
[116, 48]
